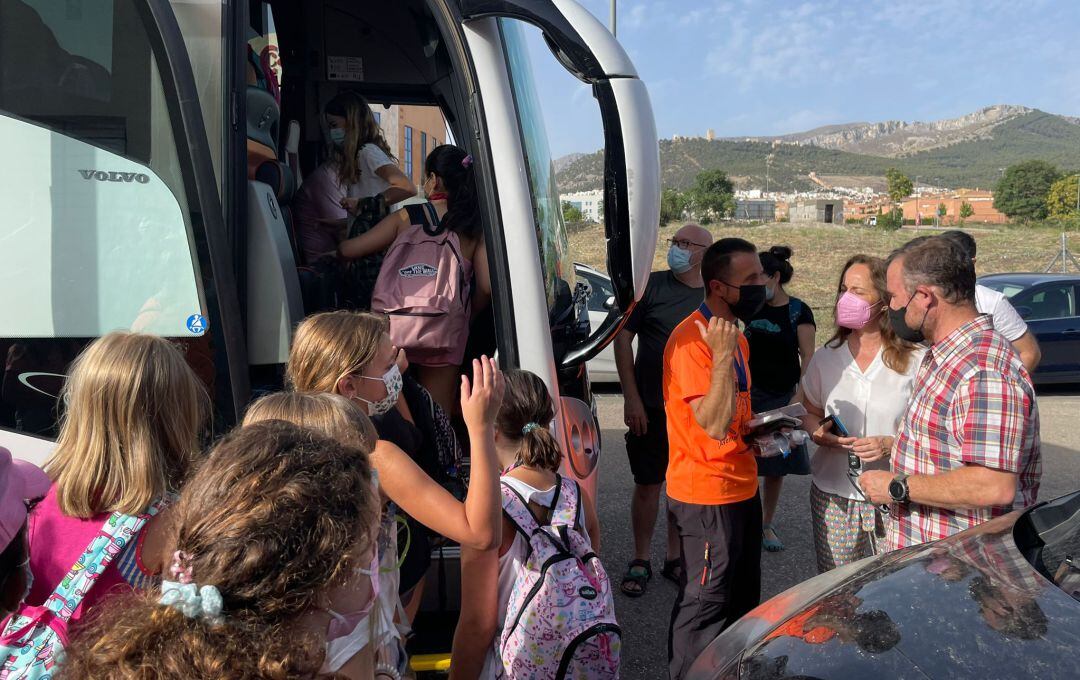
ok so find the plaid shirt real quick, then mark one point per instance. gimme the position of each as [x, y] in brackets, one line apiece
[973, 404]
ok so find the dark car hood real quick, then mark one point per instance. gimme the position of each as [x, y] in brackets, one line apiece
[970, 606]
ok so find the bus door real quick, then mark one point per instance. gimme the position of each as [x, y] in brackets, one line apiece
[557, 345]
[112, 218]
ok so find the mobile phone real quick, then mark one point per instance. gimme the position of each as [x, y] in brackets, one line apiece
[837, 427]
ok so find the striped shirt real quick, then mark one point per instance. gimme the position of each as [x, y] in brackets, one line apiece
[973, 404]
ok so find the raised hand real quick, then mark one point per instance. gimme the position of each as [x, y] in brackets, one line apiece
[722, 337]
[482, 397]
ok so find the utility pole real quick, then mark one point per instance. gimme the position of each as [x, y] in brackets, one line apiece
[613, 32]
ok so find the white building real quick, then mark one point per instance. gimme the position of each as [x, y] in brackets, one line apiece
[590, 203]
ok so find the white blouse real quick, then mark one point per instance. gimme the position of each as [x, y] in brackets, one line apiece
[869, 404]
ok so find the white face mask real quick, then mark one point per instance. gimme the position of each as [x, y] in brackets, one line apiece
[337, 136]
[393, 382]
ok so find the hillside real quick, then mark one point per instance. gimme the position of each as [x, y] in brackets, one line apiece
[971, 163]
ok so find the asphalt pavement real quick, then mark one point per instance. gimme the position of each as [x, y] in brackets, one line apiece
[645, 619]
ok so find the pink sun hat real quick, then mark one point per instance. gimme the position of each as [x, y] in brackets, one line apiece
[19, 482]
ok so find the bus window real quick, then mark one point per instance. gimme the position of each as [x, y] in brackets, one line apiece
[547, 210]
[97, 232]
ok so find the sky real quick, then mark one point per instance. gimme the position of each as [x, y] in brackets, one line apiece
[758, 67]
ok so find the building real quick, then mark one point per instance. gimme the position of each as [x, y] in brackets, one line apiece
[412, 132]
[925, 208]
[590, 203]
[827, 210]
[755, 209]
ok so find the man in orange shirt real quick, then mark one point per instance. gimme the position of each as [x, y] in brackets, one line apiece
[712, 475]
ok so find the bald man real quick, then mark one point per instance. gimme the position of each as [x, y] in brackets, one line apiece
[670, 297]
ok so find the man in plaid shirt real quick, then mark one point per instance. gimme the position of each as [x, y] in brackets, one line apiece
[968, 448]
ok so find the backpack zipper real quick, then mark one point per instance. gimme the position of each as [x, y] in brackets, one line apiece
[564, 664]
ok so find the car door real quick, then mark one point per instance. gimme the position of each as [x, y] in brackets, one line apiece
[1051, 314]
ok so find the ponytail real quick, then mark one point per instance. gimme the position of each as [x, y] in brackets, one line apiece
[455, 168]
[524, 417]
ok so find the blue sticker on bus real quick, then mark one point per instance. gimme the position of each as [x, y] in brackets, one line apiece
[196, 323]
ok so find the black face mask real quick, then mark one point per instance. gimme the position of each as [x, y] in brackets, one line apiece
[904, 331]
[751, 300]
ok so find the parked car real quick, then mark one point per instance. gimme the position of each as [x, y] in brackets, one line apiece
[1048, 303]
[1001, 600]
[601, 367]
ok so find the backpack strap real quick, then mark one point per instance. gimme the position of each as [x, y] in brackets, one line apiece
[567, 503]
[426, 217]
[113, 537]
[794, 312]
[517, 511]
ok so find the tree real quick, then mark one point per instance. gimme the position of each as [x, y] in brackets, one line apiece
[966, 211]
[571, 214]
[942, 210]
[890, 221]
[673, 203]
[900, 186]
[1061, 201]
[712, 196]
[1024, 188]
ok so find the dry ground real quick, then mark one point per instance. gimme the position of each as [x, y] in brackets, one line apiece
[821, 250]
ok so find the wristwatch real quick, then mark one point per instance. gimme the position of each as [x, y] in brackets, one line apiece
[898, 488]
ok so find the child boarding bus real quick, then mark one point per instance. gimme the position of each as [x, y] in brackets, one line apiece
[151, 157]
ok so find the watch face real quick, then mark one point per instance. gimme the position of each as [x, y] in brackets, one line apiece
[896, 489]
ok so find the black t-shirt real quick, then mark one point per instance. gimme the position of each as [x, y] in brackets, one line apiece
[774, 345]
[665, 304]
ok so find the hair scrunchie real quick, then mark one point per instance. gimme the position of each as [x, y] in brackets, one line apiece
[467, 161]
[529, 427]
[192, 601]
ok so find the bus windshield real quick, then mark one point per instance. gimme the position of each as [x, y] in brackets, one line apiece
[98, 234]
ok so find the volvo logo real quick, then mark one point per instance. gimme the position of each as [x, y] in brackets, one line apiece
[114, 176]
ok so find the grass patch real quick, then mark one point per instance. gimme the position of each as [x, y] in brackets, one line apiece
[821, 250]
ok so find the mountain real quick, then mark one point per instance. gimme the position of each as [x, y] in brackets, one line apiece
[973, 159]
[899, 138]
[563, 162]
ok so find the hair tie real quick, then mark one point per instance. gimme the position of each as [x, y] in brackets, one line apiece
[192, 601]
[529, 427]
[181, 567]
[467, 161]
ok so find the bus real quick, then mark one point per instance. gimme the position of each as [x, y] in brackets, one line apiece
[132, 202]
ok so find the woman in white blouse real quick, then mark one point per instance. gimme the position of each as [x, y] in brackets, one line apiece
[863, 376]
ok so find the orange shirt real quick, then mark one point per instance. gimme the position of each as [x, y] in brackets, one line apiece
[702, 470]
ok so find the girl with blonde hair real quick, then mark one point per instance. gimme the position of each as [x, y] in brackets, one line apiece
[350, 354]
[272, 522]
[134, 415]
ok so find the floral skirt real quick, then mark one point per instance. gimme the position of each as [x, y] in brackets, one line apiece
[845, 530]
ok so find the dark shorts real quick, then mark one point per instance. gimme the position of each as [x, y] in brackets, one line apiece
[795, 463]
[649, 453]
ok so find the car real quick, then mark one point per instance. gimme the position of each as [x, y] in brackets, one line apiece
[601, 296]
[1048, 303]
[1000, 600]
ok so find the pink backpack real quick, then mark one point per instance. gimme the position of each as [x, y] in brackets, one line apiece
[560, 620]
[424, 286]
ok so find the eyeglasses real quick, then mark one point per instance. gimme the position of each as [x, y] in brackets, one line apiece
[684, 244]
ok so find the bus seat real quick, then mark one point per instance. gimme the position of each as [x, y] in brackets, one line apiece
[279, 177]
[274, 303]
[263, 117]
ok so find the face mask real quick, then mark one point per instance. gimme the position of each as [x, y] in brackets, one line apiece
[770, 293]
[751, 300]
[337, 136]
[853, 312]
[904, 331]
[679, 260]
[393, 382]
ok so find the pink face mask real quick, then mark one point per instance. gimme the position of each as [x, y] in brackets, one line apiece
[853, 312]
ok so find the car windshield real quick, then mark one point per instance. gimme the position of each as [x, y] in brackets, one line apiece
[1056, 526]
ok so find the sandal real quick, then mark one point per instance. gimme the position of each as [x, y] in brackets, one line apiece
[638, 574]
[771, 544]
[672, 570]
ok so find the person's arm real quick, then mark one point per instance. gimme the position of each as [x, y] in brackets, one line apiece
[633, 406]
[476, 522]
[967, 487]
[401, 187]
[481, 295]
[375, 240]
[806, 333]
[479, 615]
[1028, 349]
[715, 411]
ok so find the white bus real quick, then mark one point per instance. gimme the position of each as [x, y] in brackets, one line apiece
[129, 201]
